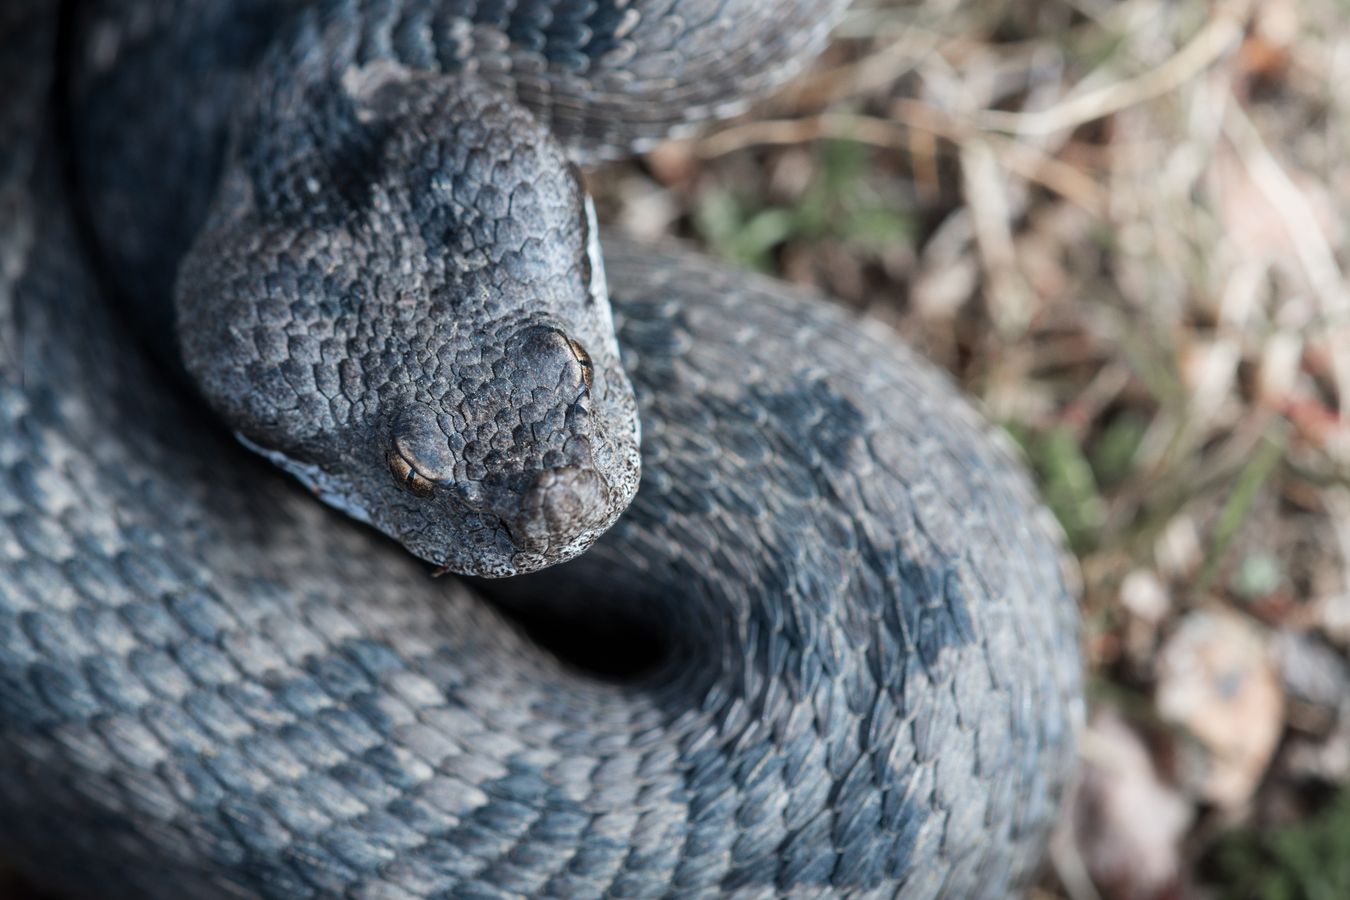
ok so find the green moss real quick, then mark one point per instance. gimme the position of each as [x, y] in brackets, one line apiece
[1308, 860]
[1113, 452]
[838, 204]
[1067, 482]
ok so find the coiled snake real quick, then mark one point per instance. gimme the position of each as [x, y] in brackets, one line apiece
[855, 657]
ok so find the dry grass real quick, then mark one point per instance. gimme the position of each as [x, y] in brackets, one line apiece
[1121, 227]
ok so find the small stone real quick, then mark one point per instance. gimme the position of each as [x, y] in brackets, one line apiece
[1178, 549]
[1217, 680]
[1144, 594]
[1127, 823]
[1258, 576]
[1317, 684]
[1313, 673]
[1335, 608]
[672, 162]
[646, 211]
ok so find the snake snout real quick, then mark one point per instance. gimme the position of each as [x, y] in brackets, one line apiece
[559, 505]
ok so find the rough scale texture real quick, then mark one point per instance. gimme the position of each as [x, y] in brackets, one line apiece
[211, 685]
[380, 263]
[404, 272]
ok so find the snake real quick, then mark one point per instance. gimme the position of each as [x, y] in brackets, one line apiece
[305, 303]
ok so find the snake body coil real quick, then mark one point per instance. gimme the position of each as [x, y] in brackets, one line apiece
[866, 675]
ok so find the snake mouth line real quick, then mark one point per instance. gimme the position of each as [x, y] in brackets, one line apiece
[320, 483]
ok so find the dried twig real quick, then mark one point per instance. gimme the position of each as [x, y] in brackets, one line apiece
[1315, 256]
[1020, 159]
[1219, 35]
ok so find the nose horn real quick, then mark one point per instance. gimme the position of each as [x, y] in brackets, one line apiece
[560, 504]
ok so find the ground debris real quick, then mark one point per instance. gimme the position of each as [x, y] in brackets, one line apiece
[1122, 228]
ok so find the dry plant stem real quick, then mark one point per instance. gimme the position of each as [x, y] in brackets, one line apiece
[1104, 388]
[1337, 501]
[1071, 869]
[873, 72]
[1315, 256]
[1217, 37]
[1020, 159]
[1008, 296]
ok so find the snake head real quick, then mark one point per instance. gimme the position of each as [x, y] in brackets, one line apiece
[408, 312]
[520, 463]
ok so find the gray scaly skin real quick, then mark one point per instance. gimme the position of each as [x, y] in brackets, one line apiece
[212, 686]
[384, 267]
[443, 321]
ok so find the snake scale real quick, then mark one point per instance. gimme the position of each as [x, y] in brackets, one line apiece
[854, 667]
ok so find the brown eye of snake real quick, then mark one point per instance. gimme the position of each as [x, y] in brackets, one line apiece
[584, 359]
[407, 476]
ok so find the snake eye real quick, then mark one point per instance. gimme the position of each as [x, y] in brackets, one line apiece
[407, 476]
[584, 360]
[418, 454]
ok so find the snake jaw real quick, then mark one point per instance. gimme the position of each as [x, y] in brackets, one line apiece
[332, 491]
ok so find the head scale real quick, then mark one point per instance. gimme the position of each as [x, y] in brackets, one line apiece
[399, 297]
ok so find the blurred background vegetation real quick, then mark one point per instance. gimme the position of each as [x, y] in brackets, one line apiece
[1121, 227]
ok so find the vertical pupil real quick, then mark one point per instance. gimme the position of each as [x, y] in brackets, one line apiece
[583, 360]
